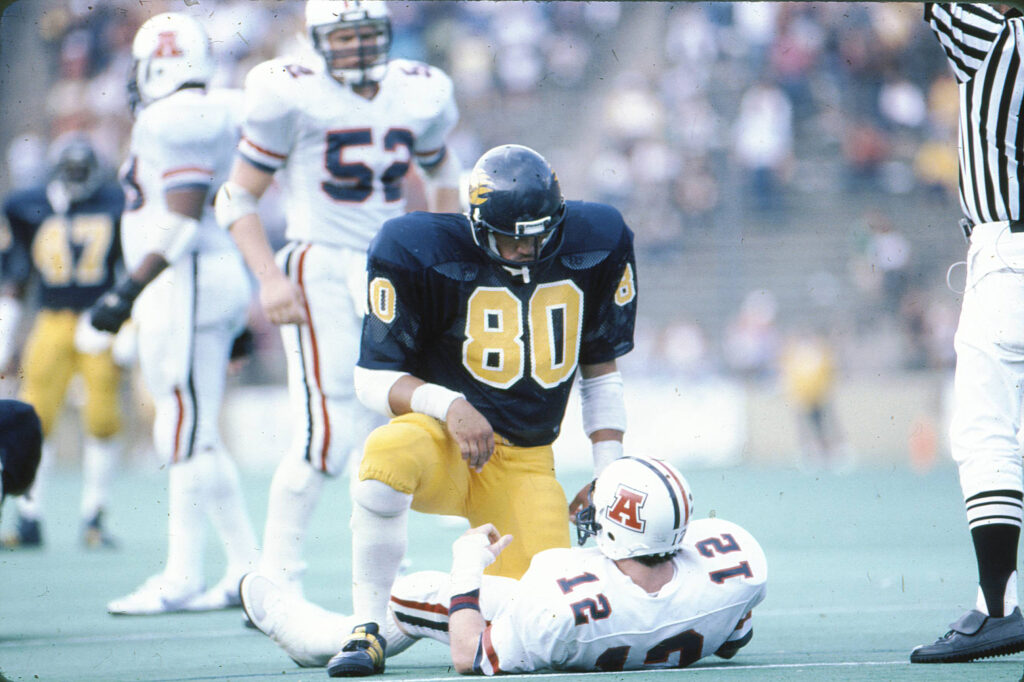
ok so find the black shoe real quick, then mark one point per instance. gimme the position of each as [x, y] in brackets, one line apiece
[95, 536]
[28, 534]
[362, 654]
[973, 636]
[729, 648]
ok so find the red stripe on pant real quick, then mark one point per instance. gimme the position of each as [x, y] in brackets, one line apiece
[300, 276]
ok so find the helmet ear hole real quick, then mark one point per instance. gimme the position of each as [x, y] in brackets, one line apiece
[611, 536]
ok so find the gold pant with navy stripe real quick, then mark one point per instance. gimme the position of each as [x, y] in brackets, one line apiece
[49, 362]
[516, 491]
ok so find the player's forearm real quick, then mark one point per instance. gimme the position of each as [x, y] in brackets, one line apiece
[464, 630]
[604, 411]
[252, 242]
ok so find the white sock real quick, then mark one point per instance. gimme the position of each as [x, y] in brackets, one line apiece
[186, 522]
[294, 493]
[378, 545]
[225, 506]
[30, 505]
[99, 458]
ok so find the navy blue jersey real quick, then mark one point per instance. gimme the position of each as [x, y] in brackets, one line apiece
[444, 311]
[74, 254]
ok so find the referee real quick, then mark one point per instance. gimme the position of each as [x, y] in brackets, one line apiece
[985, 46]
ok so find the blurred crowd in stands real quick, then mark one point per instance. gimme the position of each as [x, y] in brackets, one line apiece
[690, 117]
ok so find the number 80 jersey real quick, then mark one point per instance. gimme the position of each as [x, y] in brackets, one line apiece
[341, 158]
[441, 309]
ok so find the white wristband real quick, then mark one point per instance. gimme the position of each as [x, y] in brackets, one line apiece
[10, 318]
[233, 202]
[470, 557]
[433, 400]
[605, 452]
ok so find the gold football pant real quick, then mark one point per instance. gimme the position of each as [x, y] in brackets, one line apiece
[516, 491]
[49, 362]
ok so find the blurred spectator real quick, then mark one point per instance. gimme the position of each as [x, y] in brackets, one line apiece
[808, 373]
[763, 135]
[751, 344]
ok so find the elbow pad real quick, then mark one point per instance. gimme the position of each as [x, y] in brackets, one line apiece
[233, 202]
[373, 388]
[602, 403]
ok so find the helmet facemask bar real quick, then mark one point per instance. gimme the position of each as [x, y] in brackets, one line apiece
[586, 519]
[373, 44]
[545, 232]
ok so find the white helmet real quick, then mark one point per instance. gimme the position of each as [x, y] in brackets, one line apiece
[368, 20]
[170, 50]
[639, 506]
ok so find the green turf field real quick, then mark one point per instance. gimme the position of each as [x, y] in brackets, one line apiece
[862, 567]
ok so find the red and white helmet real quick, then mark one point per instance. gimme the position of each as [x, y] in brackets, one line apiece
[369, 20]
[170, 50]
[639, 506]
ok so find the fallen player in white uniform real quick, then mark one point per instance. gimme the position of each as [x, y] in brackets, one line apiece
[658, 591]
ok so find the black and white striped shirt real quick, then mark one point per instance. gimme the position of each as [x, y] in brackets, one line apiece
[985, 50]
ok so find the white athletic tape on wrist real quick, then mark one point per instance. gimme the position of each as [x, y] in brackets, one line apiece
[373, 388]
[605, 452]
[233, 202]
[433, 400]
[10, 317]
[470, 557]
[602, 403]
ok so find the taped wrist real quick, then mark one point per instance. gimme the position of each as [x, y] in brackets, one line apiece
[466, 600]
[470, 556]
[605, 452]
[433, 400]
[602, 403]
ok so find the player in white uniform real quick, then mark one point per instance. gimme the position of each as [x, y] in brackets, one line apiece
[191, 295]
[658, 591]
[339, 134]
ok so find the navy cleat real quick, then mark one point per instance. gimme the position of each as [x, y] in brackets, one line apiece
[974, 635]
[95, 536]
[730, 647]
[362, 654]
[28, 534]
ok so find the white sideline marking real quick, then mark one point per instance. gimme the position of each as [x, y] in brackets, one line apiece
[690, 671]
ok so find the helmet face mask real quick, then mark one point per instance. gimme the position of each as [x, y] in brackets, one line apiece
[354, 38]
[639, 507]
[170, 51]
[75, 167]
[517, 211]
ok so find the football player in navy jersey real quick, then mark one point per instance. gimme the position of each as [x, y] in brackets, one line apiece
[65, 236]
[476, 328]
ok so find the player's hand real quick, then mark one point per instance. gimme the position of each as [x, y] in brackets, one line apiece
[472, 432]
[282, 300]
[496, 542]
[114, 307]
[581, 500]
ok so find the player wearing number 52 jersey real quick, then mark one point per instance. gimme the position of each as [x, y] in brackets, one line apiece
[477, 327]
[660, 590]
[64, 235]
[339, 134]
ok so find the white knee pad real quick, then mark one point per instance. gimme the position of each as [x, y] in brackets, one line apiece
[380, 498]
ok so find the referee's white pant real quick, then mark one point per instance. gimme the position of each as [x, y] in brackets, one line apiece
[989, 379]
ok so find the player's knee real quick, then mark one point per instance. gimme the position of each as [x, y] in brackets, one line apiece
[380, 498]
[395, 454]
[103, 423]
